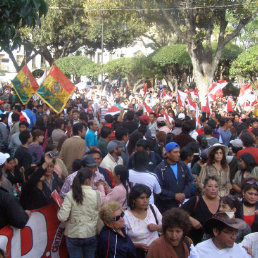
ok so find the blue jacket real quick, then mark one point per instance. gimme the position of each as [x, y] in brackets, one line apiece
[170, 185]
[113, 245]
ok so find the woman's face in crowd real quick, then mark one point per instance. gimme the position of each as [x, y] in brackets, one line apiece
[174, 235]
[120, 223]
[251, 196]
[211, 189]
[242, 164]
[218, 155]
[50, 170]
[142, 201]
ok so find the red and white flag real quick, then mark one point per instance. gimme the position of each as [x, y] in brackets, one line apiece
[197, 117]
[245, 90]
[182, 96]
[148, 109]
[207, 108]
[113, 111]
[191, 104]
[215, 91]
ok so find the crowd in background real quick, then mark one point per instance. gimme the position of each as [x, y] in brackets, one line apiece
[141, 183]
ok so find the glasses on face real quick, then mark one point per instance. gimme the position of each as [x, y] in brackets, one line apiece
[252, 182]
[117, 218]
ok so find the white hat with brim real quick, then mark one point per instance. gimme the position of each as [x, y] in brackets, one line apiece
[216, 145]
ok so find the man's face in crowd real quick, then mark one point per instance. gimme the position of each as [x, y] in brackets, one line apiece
[119, 151]
[229, 124]
[97, 157]
[236, 118]
[83, 132]
[94, 127]
[75, 116]
[174, 155]
[22, 128]
[152, 118]
[226, 238]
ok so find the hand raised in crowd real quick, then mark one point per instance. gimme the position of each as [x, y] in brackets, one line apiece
[48, 160]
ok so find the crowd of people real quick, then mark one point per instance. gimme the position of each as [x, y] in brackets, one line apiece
[141, 183]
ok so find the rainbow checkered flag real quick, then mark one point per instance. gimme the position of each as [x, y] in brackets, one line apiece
[56, 89]
[25, 84]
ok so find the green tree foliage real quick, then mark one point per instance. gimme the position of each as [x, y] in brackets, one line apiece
[17, 14]
[246, 64]
[174, 62]
[78, 66]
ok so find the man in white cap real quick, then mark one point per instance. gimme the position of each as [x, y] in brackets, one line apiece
[113, 158]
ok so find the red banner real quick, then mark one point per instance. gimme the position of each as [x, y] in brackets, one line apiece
[43, 236]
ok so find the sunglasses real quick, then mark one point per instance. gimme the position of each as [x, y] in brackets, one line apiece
[252, 182]
[117, 218]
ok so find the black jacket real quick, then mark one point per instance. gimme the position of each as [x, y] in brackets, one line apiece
[11, 212]
[170, 185]
[34, 198]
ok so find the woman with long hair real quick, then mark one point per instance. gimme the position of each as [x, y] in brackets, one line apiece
[80, 211]
[217, 166]
[142, 221]
[248, 169]
[121, 191]
[202, 208]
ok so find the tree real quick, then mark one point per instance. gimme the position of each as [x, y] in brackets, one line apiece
[18, 14]
[174, 62]
[246, 64]
[196, 22]
[78, 66]
[135, 70]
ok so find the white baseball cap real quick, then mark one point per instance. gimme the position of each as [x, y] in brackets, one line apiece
[3, 158]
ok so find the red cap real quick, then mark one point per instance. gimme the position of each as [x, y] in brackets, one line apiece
[145, 119]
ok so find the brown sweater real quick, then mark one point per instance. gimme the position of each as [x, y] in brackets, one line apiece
[73, 148]
[162, 249]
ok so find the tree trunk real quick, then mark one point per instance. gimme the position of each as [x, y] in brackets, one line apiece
[11, 56]
[168, 80]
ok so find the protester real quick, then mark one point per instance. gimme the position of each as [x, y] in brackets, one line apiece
[105, 135]
[74, 147]
[142, 221]
[80, 211]
[224, 230]
[217, 166]
[202, 208]
[91, 137]
[174, 179]
[58, 132]
[113, 240]
[35, 149]
[173, 243]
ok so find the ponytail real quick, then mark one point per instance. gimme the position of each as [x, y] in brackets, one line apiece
[123, 172]
[79, 180]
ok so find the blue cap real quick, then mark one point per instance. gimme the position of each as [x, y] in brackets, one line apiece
[171, 146]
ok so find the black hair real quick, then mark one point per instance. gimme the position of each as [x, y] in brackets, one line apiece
[24, 136]
[109, 119]
[222, 121]
[193, 146]
[79, 180]
[140, 160]
[120, 133]
[18, 108]
[123, 172]
[30, 105]
[203, 119]
[185, 152]
[50, 147]
[178, 122]
[94, 151]
[192, 124]
[76, 165]
[212, 124]
[142, 143]
[24, 123]
[232, 202]
[249, 161]
[136, 192]
[134, 137]
[208, 178]
[207, 130]
[83, 116]
[105, 132]
[142, 129]
[255, 132]
[247, 139]
[130, 115]
[58, 123]
[15, 117]
[69, 109]
[78, 128]
[186, 127]
[75, 111]
[241, 127]
[1, 173]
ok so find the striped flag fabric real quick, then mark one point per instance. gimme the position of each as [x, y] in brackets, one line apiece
[181, 98]
[229, 106]
[56, 89]
[25, 84]
[113, 111]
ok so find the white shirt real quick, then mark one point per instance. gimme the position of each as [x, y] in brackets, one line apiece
[251, 241]
[208, 249]
[146, 178]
